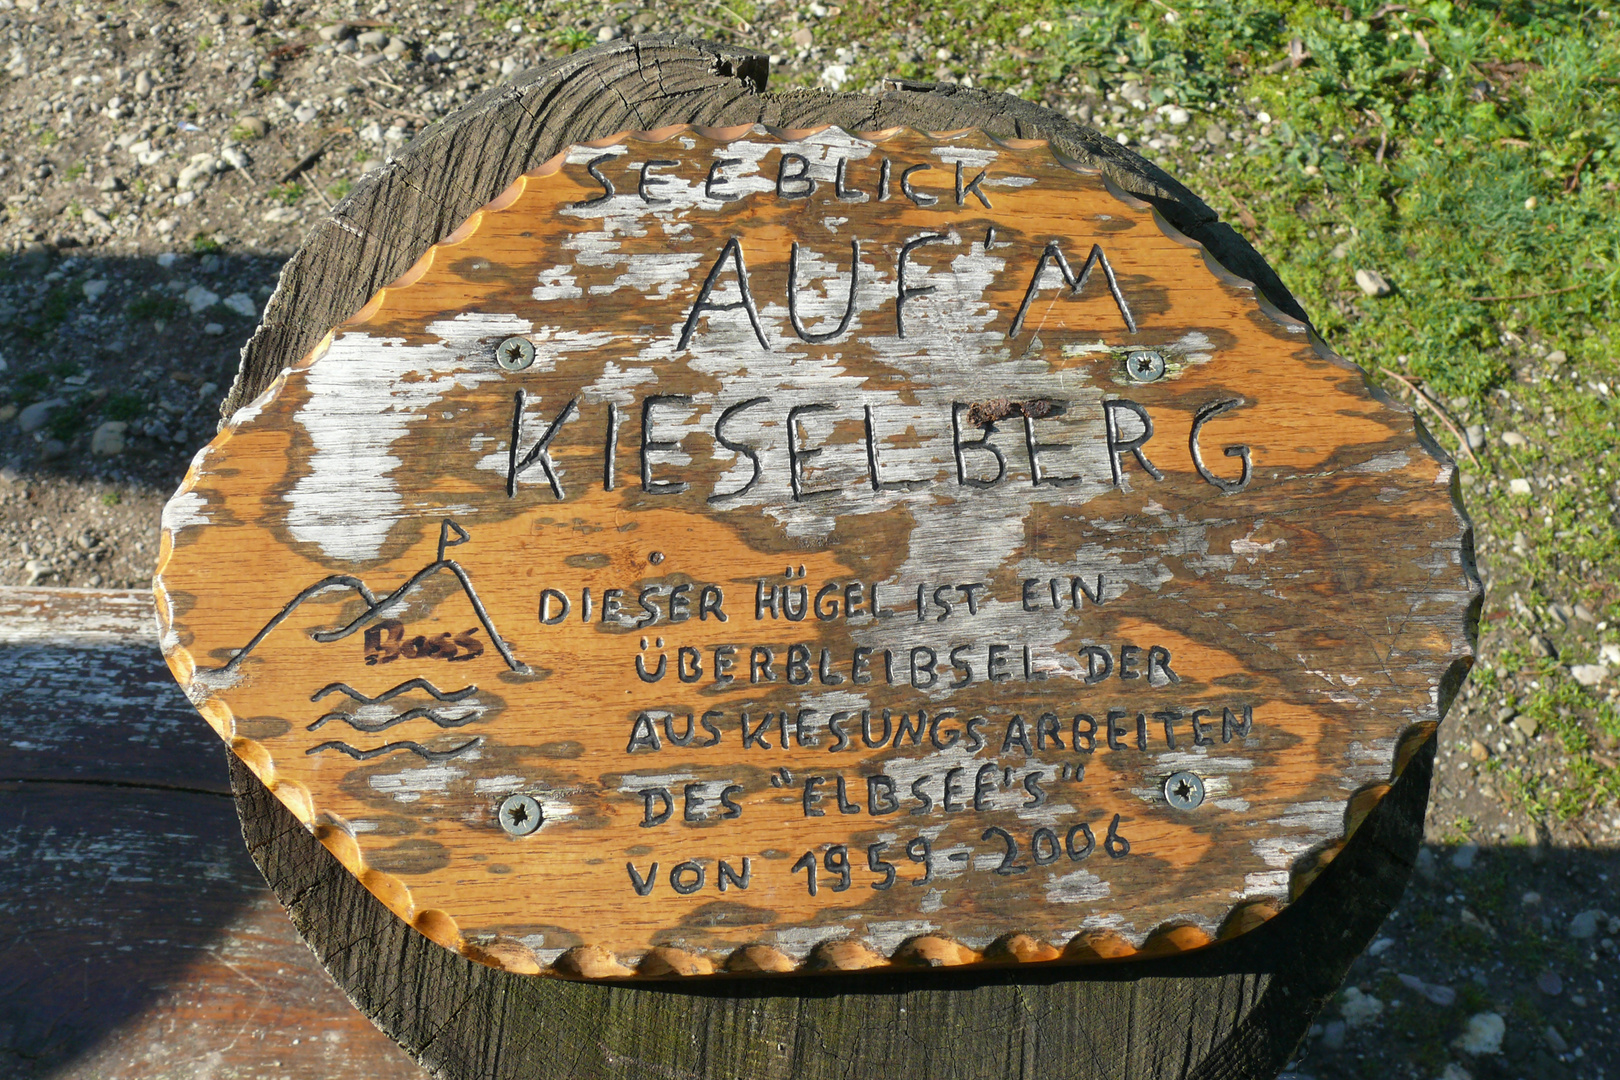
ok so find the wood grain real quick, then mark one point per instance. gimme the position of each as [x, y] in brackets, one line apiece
[1236, 1009]
[404, 522]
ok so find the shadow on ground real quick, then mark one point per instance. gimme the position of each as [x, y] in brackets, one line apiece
[148, 343]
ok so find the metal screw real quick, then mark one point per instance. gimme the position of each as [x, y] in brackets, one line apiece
[520, 815]
[1184, 791]
[1144, 366]
[515, 353]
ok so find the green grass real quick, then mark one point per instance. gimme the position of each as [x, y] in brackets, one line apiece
[123, 406]
[153, 306]
[1558, 706]
[52, 313]
[66, 422]
[288, 194]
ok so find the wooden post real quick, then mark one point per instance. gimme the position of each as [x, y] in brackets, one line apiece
[1236, 1009]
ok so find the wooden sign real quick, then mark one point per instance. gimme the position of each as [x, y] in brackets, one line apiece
[737, 551]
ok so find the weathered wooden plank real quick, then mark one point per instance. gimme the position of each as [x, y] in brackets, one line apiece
[89, 697]
[499, 658]
[76, 617]
[1235, 1010]
[105, 714]
[140, 941]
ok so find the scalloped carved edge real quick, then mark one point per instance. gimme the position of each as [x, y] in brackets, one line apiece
[842, 955]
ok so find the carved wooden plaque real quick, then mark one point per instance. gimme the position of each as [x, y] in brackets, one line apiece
[737, 551]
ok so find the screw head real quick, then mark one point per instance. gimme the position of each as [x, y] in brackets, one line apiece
[514, 354]
[1145, 365]
[520, 815]
[1184, 791]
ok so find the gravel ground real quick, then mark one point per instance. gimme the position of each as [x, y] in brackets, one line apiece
[159, 161]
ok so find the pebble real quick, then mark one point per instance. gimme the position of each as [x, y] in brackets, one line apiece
[196, 174]
[1585, 925]
[38, 568]
[214, 329]
[802, 37]
[253, 126]
[1558, 356]
[1519, 486]
[397, 49]
[110, 184]
[1215, 135]
[200, 299]
[1478, 750]
[1442, 996]
[1132, 92]
[108, 440]
[1513, 438]
[1454, 1071]
[53, 449]
[95, 289]
[1476, 436]
[305, 113]
[1549, 983]
[242, 304]
[35, 416]
[1555, 1041]
[1463, 857]
[1526, 725]
[1589, 674]
[1483, 1034]
[143, 85]
[1358, 1008]
[1424, 864]
[1373, 283]
[1333, 1035]
[608, 33]
[372, 39]
[1176, 115]
[335, 32]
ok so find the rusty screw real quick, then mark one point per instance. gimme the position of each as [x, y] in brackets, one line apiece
[520, 815]
[514, 354]
[1184, 791]
[1145, 366]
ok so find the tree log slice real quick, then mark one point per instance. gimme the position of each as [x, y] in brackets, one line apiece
[1235, 1009]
